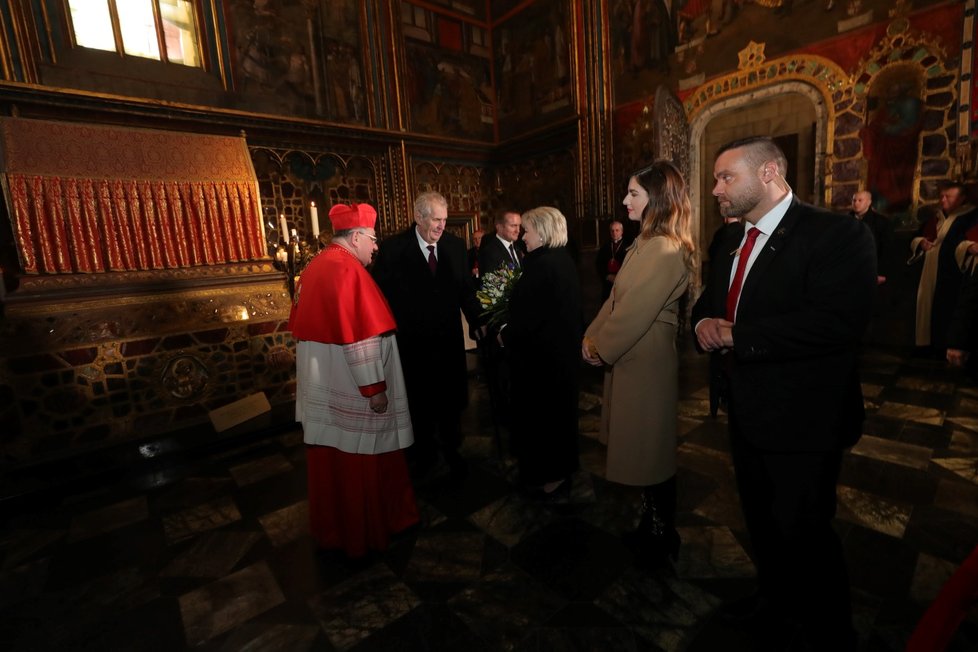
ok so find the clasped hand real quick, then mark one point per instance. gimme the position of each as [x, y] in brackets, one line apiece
[714, 334]
[590, 353]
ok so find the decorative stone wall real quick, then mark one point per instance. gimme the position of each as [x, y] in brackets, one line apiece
[80, 376]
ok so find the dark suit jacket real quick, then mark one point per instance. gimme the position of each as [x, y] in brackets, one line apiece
[963, 333]
[426, 308]
[492, 254]
[879, 226]
[793, 383]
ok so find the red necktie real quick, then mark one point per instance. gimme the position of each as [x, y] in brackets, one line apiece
[733, 294]
[432, 261]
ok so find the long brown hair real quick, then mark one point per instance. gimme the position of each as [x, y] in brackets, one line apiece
[668, 212]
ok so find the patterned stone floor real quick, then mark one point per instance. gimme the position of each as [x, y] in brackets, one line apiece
[209, 550]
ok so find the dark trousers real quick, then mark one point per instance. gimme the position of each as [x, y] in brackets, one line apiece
[789, 501]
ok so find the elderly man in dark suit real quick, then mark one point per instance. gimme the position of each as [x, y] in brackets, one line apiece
[505, 247]
[424, 274]
[786, 313]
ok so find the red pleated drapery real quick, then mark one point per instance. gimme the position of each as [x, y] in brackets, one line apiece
[94, 198]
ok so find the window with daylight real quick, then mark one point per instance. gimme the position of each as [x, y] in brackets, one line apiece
[165, 30]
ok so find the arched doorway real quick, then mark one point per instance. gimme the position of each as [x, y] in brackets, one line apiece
[793, 113]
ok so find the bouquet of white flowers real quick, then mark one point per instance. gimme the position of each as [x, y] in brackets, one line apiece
[496, 289]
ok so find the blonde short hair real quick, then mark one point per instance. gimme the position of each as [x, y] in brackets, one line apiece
[550, 223]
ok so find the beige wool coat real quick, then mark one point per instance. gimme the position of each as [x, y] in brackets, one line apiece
[635, 335]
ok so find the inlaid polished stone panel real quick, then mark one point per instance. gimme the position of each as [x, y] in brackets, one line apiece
[504, 606]
[286, 524]
[925, 385]
[510, 519]
[929, 576]
[446, 557]
[186, 523]
[266, 637]
[957, 496]
[916, 413]
[229, 602]
[966, 467]
[257, 470]
[106, 519]
[915, 457]
[712, 552]
[661, 609]
[362, 605]
[873, 511]
[212, 554]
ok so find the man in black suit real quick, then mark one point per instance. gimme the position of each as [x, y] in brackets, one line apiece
[879, 226]
[787, 322]
[424, 274]
[610, 257]
[505, 247]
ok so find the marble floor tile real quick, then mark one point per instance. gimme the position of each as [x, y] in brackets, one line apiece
[510, 519]
[109, 518]
[661, 609]
[24, 582]
[925, 385]
[964, 443]
[260, 469]
[589, 425]
[208, 516]
[871, 391]
[965, 467]
[362, 605]
[193, 491]
[694, 409]
[711, 553]
[19, 545]
[587, 401]
[286, 524]
[269, 637]
[929, 576]
[966, 422]
[957, 496]
[228, 603]
[212, 554]
[687, 425]
[909, 455]
[916, 413]
[873, 511]
[504, 606]
[429, 515]
[446, 557]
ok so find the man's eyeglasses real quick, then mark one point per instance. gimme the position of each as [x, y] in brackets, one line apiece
[373, 238]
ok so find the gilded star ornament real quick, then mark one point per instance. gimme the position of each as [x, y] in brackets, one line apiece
[751, 56]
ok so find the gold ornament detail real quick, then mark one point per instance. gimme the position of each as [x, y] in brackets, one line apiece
[751, 56]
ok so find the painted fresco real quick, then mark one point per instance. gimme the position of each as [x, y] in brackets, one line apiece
[680, 43]
[449, 83]
[532, 52]
[276, 47]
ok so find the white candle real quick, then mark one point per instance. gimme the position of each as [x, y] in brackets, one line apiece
[314, 217]
[284, 227]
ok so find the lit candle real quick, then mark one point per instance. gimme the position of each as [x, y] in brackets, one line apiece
[314, 216]
[284, 226]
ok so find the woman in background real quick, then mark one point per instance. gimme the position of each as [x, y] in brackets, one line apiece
[634, 334]
[542, 336]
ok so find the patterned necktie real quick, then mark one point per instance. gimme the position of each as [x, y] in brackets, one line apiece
[733, 294]
[512, 254]
[432, 261]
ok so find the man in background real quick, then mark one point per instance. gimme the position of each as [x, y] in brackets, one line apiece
[505, 246]
[610, 257]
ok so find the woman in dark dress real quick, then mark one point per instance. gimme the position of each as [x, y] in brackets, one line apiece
[542, 336]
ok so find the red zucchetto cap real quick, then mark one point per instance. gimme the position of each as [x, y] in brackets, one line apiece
[354, 216]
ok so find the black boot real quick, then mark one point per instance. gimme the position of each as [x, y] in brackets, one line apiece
[656, 540]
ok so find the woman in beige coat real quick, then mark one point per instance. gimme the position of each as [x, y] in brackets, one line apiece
[634, 335]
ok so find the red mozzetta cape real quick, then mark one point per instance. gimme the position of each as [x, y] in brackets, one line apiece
[338, 302]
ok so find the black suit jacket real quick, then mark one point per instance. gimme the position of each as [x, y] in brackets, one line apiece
[426, 308]
[792, 377]
[879, 226]
[492, 254]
